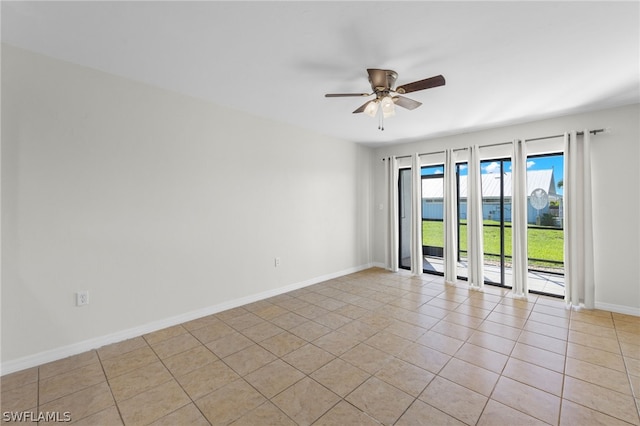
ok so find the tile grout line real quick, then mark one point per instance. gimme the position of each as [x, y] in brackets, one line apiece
[174, 378]
[625, 362]
[505, 364]
[115, 401]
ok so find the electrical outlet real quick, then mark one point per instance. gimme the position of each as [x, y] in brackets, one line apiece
[276, 262]
[82, 298]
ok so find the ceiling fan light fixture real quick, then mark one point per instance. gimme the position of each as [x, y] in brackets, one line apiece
[388, 106]
[372, 108]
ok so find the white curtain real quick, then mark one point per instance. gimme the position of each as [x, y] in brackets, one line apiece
[416, 216]
[391, 247]
[450, 218]
[475, 245]
[578, 226]
[519, 219]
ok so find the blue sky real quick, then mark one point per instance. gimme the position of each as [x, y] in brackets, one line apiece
[554, 162]
[550, 162]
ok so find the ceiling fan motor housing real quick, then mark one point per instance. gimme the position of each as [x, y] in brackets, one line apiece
[382, 80]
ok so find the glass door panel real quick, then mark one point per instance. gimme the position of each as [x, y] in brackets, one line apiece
[432, 219]
[496, 219]
[461, 187]
[545, 231]
[404, 216]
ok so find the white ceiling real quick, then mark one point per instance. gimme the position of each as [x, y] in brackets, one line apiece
[504, 62]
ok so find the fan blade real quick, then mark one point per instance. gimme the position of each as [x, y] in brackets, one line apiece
[406, 102]
[378, 78]
[362, 108]
[427, 83]
[344, 95]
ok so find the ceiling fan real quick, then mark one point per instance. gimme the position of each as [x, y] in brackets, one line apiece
[387, 95]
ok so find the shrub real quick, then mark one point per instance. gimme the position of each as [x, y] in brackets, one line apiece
[547, 220]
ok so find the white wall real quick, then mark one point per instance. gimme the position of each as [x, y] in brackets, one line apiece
[616, 199]
[158, 204]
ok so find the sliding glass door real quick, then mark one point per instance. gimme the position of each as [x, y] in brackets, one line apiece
[432, 218]
[545, 228]
[545, 233]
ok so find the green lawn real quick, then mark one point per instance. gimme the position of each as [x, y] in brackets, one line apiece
[544, 243]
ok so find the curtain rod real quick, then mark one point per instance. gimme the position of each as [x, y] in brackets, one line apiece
[593, 132]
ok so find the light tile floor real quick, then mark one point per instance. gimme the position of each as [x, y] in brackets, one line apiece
[369, 348]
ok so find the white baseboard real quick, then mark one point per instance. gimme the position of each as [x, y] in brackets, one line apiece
[620, 309]
[40, 358]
